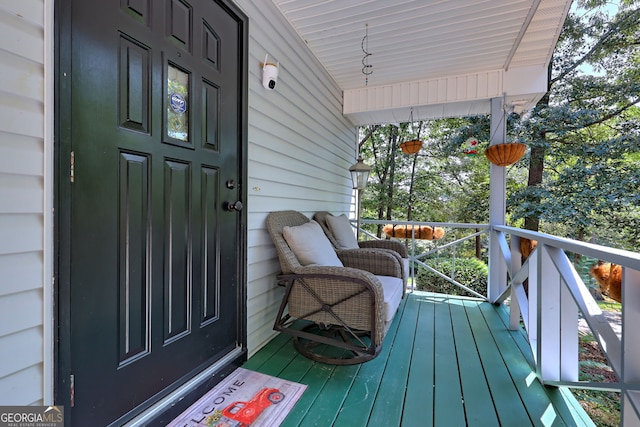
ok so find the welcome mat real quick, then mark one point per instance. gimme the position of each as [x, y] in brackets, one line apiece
[243, 398]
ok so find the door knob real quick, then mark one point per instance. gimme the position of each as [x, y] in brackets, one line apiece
[233, 206]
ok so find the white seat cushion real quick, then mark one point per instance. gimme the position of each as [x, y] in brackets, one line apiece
[392, 288]
[310, 245]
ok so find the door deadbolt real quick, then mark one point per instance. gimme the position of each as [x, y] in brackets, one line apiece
[233, 206]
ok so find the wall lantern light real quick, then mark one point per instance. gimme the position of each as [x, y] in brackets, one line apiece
[359, 176]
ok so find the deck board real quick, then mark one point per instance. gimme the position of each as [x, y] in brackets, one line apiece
[328, 407]
[472, 374]
[387, 409]
[448, 408]
[358, 405]
[420, 386]
[445, 361]
[562, 410]
[504, 391]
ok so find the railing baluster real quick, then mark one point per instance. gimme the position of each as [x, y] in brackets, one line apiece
[568, 336]
[630, 346]
[534, 314]
[516, 264]
[548, 318]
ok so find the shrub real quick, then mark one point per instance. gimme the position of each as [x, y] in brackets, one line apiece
[470, 272]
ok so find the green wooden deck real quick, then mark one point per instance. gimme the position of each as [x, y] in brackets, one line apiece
[445, 362]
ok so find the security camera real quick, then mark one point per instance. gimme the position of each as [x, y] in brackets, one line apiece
[269, 75]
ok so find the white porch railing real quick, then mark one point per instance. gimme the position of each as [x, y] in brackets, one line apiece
[556, 298]
[418, 258]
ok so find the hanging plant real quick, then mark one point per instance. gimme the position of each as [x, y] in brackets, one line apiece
[505, 154]
[414, 145]
[411, 147]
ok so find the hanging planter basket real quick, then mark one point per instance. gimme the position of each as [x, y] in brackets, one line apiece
[505, 154]
[411, 147]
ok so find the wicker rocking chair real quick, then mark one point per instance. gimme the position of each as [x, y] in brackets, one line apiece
[327, 219]
[339, 312]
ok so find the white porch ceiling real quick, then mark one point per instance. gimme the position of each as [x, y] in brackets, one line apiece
[437, 57]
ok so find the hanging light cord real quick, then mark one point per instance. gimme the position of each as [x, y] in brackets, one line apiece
[366, 67]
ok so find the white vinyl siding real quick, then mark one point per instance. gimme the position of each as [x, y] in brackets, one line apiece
[300, 149]
[26, 373]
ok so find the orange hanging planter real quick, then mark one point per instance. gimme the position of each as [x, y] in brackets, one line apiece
[505, 154]
[411, 147]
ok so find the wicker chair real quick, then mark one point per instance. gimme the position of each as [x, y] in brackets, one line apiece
[348, 308]
[399, 249]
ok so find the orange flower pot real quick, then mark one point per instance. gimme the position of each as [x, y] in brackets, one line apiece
[505, 154]
[411, 147]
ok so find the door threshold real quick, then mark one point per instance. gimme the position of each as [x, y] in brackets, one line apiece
[153, 412]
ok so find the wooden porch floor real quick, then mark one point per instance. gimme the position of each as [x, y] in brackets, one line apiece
[445, 362]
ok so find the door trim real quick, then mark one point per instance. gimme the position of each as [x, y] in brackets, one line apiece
[49, 325]
[62, 387]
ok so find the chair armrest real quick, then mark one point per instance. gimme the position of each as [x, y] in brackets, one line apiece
[357, 297]
[353, 277]
[394, 245]
[380, 262]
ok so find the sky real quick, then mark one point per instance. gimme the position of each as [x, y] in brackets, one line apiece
[611, 9]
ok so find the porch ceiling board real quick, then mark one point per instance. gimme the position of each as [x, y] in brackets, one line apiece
[426, 40]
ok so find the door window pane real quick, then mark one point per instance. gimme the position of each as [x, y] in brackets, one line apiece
[177, 103]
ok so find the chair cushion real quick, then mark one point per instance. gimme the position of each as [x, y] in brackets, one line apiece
[392, 288]
[310, 245]
[343, 231]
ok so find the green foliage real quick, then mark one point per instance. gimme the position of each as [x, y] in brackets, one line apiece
[603, 407]
[439, 183]
[416, 187]
[471, 272]
[587, 130]
[591, 185]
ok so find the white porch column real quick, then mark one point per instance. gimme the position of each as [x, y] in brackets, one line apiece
[497, 202]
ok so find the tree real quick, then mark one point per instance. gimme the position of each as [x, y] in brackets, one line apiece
[565, 129]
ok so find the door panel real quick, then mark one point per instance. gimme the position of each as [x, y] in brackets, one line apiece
[210, 243]
[178, 246]
[134, 287]
[156, 98]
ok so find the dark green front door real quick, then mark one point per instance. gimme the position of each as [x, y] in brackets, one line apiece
[155, 91]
